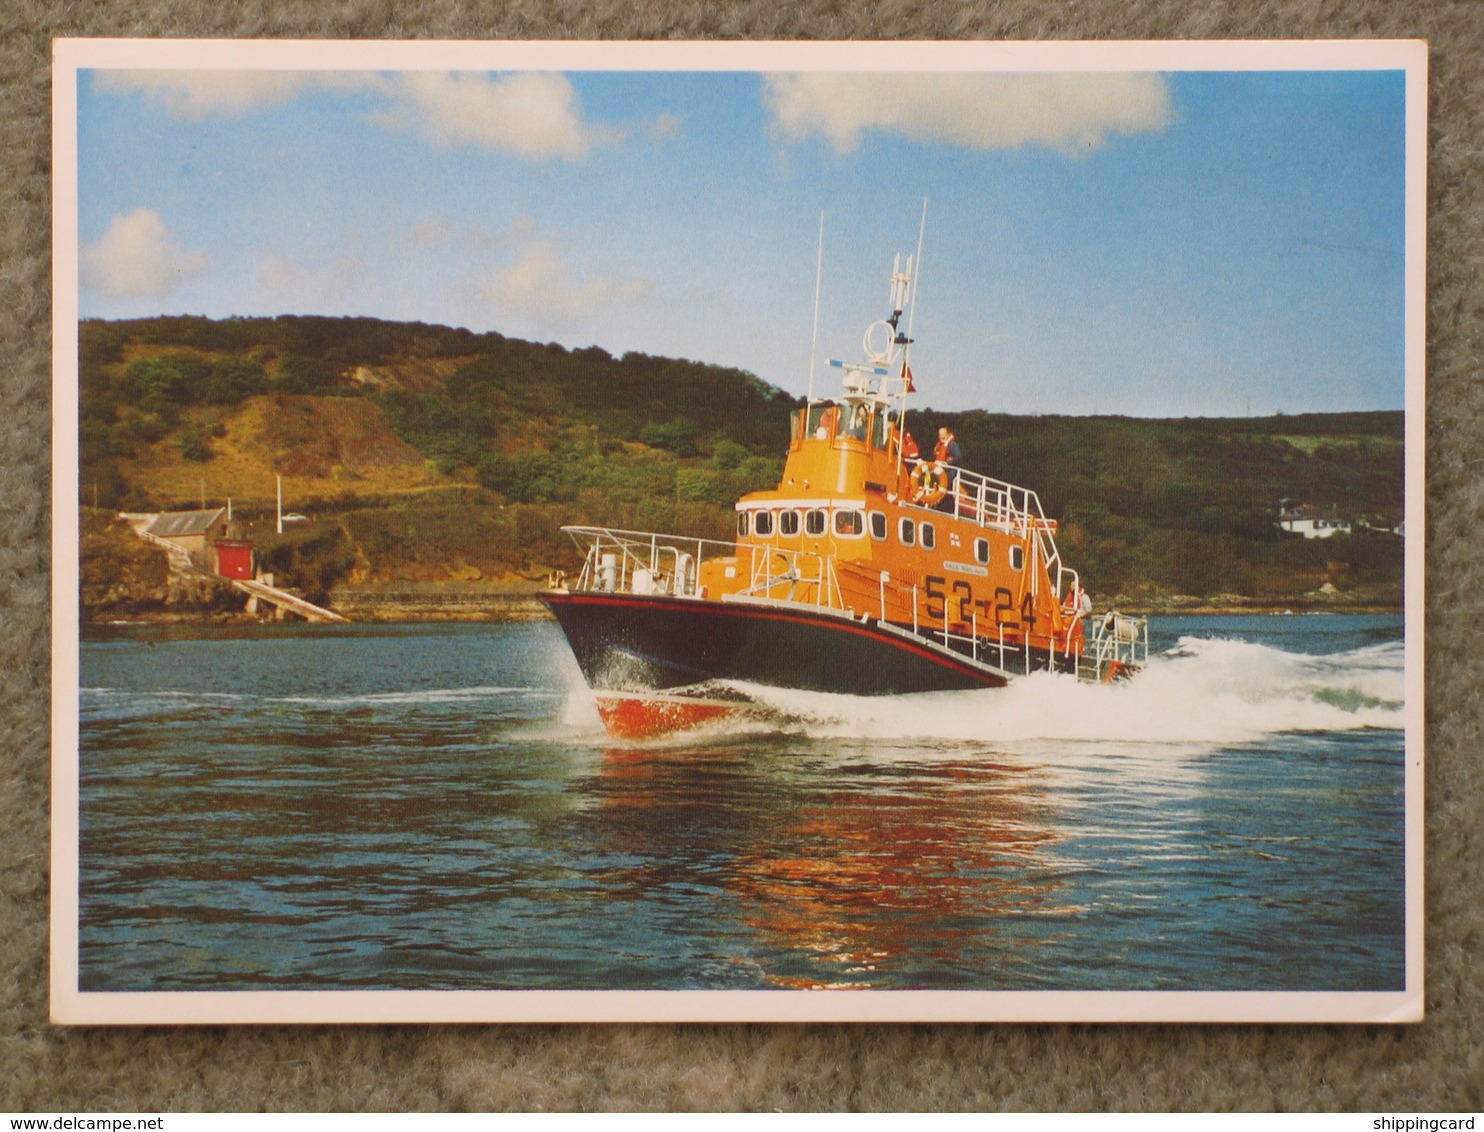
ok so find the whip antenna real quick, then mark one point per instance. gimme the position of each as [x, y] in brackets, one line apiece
[917, 273]
[814, 341]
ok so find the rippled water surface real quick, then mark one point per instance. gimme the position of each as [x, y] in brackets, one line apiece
[437, 807]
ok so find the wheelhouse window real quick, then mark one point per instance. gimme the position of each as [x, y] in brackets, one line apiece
[981, 551]
[762, 523]
[878, 525]
[743, 524]
[814, 522]
[824, 419]
[878, 430]
[907, 532]
[929, 536]
[1017, 557]
[788, 523]
[851, 524]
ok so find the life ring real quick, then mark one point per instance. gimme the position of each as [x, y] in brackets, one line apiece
[929, 484]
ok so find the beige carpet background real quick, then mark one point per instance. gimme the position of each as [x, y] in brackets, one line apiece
[1436, 1065]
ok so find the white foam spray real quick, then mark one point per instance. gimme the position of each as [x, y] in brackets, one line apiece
[1201, 692]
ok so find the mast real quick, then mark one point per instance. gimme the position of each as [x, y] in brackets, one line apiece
[906, 340]
[814, 341]
[886, 347]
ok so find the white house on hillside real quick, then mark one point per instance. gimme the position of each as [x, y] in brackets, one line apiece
[1311, 523]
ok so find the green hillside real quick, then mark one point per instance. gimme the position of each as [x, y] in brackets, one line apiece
[1190, 505]
[426, 453]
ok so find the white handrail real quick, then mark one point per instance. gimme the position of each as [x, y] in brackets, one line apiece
[815, 575]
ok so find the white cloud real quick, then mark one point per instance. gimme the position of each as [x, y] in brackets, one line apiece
[280, 276]
[472, 238]
[337, 281]
[429, 233]
[137, 258]
[539, 286]
[665, 127]
[1064, 111]
[197, 95]
[534, 115]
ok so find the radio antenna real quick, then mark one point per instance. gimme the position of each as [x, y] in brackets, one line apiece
[814, 341]
[916, 275]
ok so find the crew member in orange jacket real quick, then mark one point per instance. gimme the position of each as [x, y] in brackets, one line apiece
[948, 454]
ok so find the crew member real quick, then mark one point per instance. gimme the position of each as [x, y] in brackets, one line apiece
[947, 454]
[1078, 604]
[1077, 607]
[910, 451]
[829, 420]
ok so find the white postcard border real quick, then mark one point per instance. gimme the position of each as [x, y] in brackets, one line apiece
[75, 1007]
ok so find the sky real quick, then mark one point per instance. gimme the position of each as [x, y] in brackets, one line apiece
[1183, 244]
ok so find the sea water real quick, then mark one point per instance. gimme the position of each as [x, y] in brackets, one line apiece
[437, 807]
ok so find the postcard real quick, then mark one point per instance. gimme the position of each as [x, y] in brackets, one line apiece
[738, 531]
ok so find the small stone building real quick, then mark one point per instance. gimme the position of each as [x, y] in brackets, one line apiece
[184, 533]
[1312, 523]
[194, 531]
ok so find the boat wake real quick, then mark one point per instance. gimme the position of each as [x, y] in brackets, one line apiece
[1201, 691]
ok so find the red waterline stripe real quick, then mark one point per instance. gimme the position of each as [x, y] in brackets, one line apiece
[714, 607]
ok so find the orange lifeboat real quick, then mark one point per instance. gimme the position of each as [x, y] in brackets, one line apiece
[864, 571]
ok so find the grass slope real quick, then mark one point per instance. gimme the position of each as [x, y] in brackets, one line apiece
[427, 453]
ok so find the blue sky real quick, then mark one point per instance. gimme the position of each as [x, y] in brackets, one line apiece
[1187, 244]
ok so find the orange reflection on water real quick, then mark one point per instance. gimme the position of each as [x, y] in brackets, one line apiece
[861, 878]
[850, 869]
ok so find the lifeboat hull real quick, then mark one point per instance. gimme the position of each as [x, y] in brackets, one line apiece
[648, 715]
[626, 642]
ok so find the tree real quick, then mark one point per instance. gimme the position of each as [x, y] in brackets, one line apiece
[230, 380]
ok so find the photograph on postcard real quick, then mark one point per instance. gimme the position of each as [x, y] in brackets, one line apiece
[807, 528]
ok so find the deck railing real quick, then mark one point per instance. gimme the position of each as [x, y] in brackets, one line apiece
[647, 563]
[1003, 506]
[644, 562]
[989, 502]
[1115, 641]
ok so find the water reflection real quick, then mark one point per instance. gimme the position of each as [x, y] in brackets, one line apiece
[852, 870]
[427, 809]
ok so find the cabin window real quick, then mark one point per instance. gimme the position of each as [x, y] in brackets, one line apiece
[850, 523]
[907, 532]
[742, 524]
[762, 523]
[814, 522]
[981, 551]
[860, 422]
[878, 430]
[824, 419]
[788, 523]
[929, 536]
[878, 525]
[1017, 557]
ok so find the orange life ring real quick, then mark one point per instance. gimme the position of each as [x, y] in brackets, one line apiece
[929, 484]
